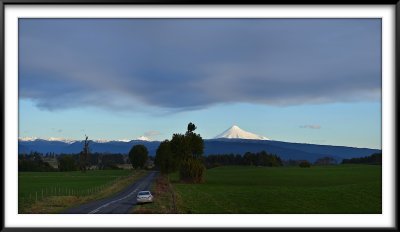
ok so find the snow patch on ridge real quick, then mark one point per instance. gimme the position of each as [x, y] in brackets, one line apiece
[144, 138]
[69, 141]
[53, 139]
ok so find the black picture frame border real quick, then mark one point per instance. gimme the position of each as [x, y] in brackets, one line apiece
[3, 3]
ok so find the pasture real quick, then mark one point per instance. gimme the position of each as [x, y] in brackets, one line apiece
[319, 189]
[34, 187]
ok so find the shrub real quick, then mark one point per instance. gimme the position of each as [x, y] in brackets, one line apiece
[192, 171]
[305, 164]
[67, 163]
[325, 161]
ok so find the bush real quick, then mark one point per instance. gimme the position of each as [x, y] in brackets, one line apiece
[67, 163]
[305, 164]
[325, 161]
[192, 171]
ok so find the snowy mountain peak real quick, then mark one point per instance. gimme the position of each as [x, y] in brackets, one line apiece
[69, 141]
[52, 139]
[236, 132]
[143, 138]
[61, 140]
[27, 138]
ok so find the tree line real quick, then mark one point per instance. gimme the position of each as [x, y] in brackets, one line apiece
[323, 161]
[34, 163]
[375, 158]
[256, 159]
[37, 162]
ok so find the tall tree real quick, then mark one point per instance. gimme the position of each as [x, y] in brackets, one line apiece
[191, 166]
[165, 159]
[138, 156]
[84, 155]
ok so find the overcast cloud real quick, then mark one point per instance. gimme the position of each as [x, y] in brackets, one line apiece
[182, 64]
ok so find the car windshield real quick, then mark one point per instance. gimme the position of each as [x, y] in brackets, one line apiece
[144, 193]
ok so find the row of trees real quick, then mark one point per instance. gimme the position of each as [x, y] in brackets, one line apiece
[33, 163]
[257, 159]
[327, 160]
[182, 153]
[375, 158]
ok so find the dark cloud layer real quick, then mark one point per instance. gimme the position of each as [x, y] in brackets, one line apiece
[183, 64]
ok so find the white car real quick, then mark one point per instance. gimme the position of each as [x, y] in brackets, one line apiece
[144, 196]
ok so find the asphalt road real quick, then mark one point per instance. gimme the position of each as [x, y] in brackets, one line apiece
[119, 203]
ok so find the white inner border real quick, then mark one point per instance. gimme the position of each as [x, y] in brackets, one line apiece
[13, 219]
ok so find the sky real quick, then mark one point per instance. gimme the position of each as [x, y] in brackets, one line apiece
[296, 80]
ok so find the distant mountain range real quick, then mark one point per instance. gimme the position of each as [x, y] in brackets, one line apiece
[234, 140]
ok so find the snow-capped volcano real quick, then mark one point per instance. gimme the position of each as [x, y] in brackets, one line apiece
[236, 133]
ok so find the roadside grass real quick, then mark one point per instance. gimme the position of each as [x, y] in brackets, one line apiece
[320, 189]
[165, 199]
[53, 192]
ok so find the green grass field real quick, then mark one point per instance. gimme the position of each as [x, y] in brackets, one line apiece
[38, 186]
[319, 189]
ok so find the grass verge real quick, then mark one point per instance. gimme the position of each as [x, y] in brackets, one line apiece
[166, 201]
